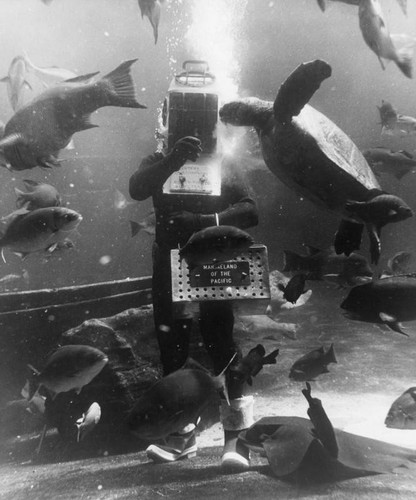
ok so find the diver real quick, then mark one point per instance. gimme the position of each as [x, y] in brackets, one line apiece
[180, 211]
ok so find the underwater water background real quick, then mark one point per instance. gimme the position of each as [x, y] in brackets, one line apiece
[267, 40]
[256, 44]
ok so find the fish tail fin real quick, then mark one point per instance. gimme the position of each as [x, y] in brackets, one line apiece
[135, 228]
[322, 5]
[330, 354]
[270, 359]
[120, 86]
[292, 261]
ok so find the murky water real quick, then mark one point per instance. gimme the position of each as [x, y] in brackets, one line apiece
[252, 46]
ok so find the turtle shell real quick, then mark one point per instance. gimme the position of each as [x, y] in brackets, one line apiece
[318, 160]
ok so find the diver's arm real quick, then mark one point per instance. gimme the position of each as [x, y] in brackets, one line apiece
[242, 214]
[151, 174]
[322, 425]
[157, 168]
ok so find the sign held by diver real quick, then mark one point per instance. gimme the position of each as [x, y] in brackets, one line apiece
[230, 273]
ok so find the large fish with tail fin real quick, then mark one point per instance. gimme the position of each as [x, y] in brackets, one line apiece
[174, 402]
[377, 36]
[38, 131]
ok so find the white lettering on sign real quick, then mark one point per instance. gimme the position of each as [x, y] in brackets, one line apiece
[209, 267]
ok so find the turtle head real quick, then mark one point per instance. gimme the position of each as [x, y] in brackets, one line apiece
[249, 112]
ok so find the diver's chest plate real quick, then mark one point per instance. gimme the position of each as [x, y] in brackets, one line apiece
[195, 178]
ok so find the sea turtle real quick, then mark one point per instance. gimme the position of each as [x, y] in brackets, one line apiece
[311, 155]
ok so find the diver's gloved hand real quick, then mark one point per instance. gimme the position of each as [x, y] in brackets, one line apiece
[185, 221]
[187, 148]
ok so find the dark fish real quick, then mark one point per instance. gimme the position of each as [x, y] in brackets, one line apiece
[313, 450]
[38, 131]
[378, 212]
[399, 263]
[326, 264]
[16, 82]
[313, 364]
[387, 300]
[69, 368]
[396, 163]
[377, 36]
[37, 195]
[174, 402]
[394, 123]
[148, 225]
[250, 365]
[88, 421]
[39, 229]
[402, 413]
[151, 9]
[294, 289]
[215, 244]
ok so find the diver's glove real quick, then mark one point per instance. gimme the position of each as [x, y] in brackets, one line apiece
[187, 148]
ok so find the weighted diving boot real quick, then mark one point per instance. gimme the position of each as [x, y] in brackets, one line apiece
[176, 446]
[235, 418]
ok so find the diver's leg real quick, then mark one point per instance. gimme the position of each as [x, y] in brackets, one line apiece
[173, 334]
[173, 331]
[216, 325]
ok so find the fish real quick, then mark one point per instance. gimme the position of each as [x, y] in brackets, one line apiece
[151, 9]
[322, 4]
[396, 163]
[402, 413]
[215, 244]
[53, 75]
[388, 301]
[251, 364]
[38, 229]
[148, 225]
[378, 212]
[313, 364]
[16, 82]
[294, 288]
[120, 201]
[174, 402]
[70, 367]
[394, 123]
[37, 132]
[37, 195]
[88, 421]
[377, 36]
[310, 451]
[13, 278]
[399, 263]
[321, 264]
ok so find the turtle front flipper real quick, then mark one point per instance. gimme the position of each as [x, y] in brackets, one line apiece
[348, 237]
[322, 425]
[298, 88]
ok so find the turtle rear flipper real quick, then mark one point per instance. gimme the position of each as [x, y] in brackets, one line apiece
[298, 88]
